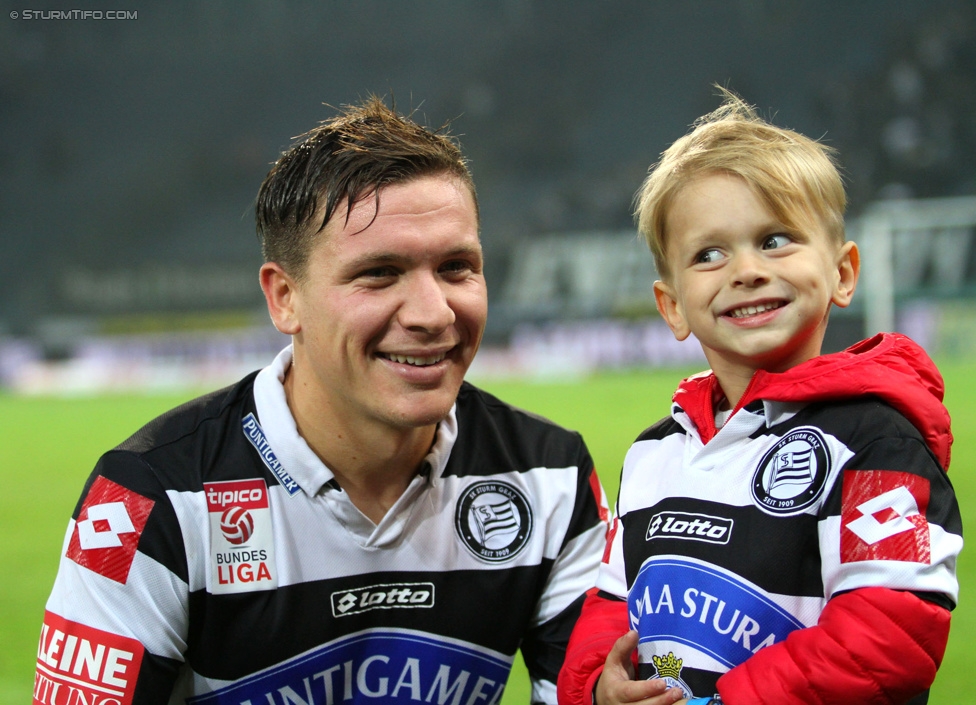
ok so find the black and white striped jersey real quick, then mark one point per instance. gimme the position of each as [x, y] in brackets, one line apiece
[213, 558]
[726, 545]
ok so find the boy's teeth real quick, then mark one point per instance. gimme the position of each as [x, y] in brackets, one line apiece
[411, 360]
[753, 310]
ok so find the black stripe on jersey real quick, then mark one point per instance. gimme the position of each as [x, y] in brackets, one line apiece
[882, 439]
[187, 418]
[756, 544]
[467, 605]
[586, 513]
[660, 430]
[162, 538]
[496, 438]
[542, 658]
[156, 676]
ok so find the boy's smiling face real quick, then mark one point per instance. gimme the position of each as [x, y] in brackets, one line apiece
[755, 295]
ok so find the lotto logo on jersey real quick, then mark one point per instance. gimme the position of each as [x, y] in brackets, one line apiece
[883, 517]
[691, 527]
[80, 664]
[241, 537]
[108, 528]
[386, 596]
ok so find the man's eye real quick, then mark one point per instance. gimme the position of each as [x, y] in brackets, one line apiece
[708, 256]
[456, 267]
[776, 241]
[378, 272]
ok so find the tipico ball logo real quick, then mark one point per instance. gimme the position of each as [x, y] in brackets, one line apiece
[237, 525]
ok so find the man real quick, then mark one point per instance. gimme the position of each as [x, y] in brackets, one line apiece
[354, 522]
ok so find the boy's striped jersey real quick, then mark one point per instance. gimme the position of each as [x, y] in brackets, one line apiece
[825, 486]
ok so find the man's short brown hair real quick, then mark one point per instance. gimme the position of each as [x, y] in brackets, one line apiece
[344, 160]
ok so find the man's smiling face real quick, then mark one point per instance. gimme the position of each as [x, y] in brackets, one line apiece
[392, 305]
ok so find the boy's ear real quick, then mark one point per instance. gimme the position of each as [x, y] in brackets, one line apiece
[670, 309]
[282, 294]
[848, 269]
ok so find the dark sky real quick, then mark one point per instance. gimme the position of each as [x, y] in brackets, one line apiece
[134, 148]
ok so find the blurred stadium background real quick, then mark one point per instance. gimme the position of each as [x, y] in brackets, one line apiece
[133, 148]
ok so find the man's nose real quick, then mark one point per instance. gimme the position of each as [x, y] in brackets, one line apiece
[426, 305]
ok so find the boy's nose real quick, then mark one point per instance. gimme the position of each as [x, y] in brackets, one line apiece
[749, 270]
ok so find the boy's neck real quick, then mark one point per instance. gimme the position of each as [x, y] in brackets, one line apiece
[734, 380]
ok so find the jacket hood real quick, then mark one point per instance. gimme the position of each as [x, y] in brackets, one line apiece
[889, 366]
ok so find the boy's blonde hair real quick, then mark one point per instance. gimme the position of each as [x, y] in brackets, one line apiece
[795, 176]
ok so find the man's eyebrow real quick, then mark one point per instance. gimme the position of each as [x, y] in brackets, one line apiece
[380, 258]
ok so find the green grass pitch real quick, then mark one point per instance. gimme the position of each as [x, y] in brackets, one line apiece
[50, 445]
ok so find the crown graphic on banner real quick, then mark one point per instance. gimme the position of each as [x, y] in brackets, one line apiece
[668, 666]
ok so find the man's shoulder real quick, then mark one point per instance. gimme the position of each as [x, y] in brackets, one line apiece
[489, 427]
[209, 413]
[474, 401]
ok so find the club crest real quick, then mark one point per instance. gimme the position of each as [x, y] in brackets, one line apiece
[792, 474]
[494, 521]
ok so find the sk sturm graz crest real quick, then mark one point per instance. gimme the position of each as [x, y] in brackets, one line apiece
[494, 520]
[792, 475]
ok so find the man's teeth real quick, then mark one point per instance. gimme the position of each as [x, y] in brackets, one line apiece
[418, 361]
[753, 310]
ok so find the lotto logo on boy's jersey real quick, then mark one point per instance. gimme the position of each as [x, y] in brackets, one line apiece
[108, 528]
[883, 517]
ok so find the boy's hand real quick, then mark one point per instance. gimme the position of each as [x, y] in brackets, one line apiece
[617, 685]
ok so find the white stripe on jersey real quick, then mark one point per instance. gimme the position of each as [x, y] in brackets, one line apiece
[938, 577]
[304, 526]
[124, 606]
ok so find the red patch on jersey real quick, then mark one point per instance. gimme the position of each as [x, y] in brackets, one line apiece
[883, 517]
[601, 500]
[81, 664]
[610, 536]
[107, 532]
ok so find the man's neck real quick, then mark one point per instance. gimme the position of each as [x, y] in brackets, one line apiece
[373, 463]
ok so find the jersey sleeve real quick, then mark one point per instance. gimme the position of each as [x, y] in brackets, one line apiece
[892, 520]
[602, 621]
[115, 623]
[573, 574]
[872, 645]
[890, 533]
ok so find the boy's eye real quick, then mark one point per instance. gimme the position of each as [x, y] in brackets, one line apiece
[776, 241]
[708, 256]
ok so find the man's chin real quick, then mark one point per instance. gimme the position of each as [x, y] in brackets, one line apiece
[425, 408]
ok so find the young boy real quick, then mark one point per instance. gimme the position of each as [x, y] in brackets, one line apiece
[788, 534]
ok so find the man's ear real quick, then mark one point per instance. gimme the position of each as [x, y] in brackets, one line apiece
[848, 269]
[670, 309]
[282, 294]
